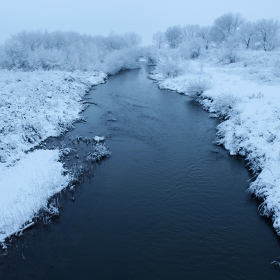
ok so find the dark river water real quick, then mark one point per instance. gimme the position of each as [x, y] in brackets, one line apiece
[168, 203]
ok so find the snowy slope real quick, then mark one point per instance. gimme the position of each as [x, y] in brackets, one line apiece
[246, 95]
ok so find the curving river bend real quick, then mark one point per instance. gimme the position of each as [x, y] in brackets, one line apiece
[168, 204]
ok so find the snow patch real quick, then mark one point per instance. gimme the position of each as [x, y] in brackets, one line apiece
[26, 187]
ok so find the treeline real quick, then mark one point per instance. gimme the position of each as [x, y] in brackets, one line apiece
[263, 34]
[70, 51]
[228, 34]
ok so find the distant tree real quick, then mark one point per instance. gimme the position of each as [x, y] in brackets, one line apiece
[100, 42]
[32, 39]
[247, 34]
[16, 53]
[267, 34]
[229, 50]
[191, 49]
[192, 43]
[151, 53]
[115, 42]
[159, 39]
[174, 36]
[133, 39]
[171, 63]
[204, 33]
[68, 51]
[226, 26]
[190, 31]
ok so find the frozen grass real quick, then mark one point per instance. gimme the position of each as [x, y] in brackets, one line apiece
[39, 104]
[98, 152]
[246, 96]
[26, 188]
[34, 106]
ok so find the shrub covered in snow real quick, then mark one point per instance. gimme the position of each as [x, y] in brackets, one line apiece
[67, 51]
[171, 64]
[151, 54]
[223, 105]
[197, 86]
[229, 51]
[98, 152]
[119, 60]
[192, 49]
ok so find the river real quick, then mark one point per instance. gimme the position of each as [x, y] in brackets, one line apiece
[168, 203]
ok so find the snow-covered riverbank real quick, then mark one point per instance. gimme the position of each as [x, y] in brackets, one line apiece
[37, 105]
[34, 106]
[246, 95]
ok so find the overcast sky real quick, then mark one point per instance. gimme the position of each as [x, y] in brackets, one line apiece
[145, 17]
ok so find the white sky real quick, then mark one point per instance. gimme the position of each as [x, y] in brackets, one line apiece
[145, 17]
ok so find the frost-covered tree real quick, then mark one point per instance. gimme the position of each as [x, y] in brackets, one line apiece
[115, 42]
[226, 26]
[69, 51]
[191, 49]
[119, 60]
[174, 36]
[204, 33]
[15, 54]
[190, 31]
[151, 54]
[133, 39]
[32, 39]
[267, 34]
[191, 44]
[171, 63]
[229, 52]
[247, 34]
[159, 39]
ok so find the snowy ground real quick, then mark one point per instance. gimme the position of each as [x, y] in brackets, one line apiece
[246, 95]
[34, 106]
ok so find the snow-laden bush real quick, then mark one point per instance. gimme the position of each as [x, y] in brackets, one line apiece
[18, 56]
[120, 60]
[68, 51]
[171, 64]
[223, 105]
[229, 52]
[229, 55]
[98, 152]
[152, 54]
[192, 48]
[197, 86]
[48, 60]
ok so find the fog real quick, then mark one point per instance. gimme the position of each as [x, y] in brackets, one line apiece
[144, 17]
